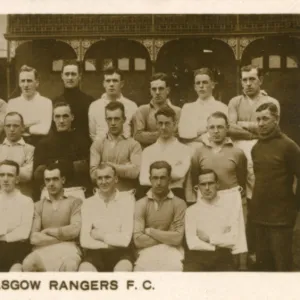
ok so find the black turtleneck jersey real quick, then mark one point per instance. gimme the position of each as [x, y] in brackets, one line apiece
[62, 146]
[276, 160]
[80, 103]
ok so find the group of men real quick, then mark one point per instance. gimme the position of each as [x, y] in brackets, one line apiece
[152, 188]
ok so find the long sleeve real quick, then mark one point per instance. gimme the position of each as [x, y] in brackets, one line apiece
[72, 231]
[26, 170]
[86, 241]
[132, 169]
[145, 165]
[3, 109]
[38, 238]
[141, 240]
[123, 238]
[241, 170]
[193, 242]
[176, 231]
[141, 134]
[95, 157]
[92, 121]
[44, 116]
[23, 230]
[187, 127]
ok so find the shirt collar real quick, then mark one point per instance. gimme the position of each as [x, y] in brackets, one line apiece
[202, 201]
[119, 138]
[115, 199]
[104, 97]
[19, 142]
[168, 103]
[37, 94]
[150, 195]
[209, 100]
[172, 141]
[47, 197]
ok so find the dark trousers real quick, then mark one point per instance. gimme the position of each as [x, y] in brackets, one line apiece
[199, 261]
[12, 253]
[273, 248]
[250, 230]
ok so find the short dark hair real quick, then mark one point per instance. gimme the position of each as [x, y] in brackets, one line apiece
[219, 115]
[111, 71]
[71, 62]
[160, 165]
[114, 105]
[61, 104]
[208, 171]
[14, 113]
[12, 163]
[248, 68]
[166, 111]
[205, 71]
[161, 76]
[103, 166]
[26, 68]
[62, 166]
[271, 107]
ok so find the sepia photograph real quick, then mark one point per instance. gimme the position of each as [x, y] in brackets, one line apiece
[149, 143]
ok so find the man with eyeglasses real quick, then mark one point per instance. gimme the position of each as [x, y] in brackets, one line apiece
[145, 125]
[192, 123]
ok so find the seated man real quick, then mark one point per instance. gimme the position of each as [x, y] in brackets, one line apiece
[63, 144]
[56, 227]
[123, 153]
[107, 225]
[15, 148]
[214, 227]
[159, 224]
[16, 214]
[169, 149]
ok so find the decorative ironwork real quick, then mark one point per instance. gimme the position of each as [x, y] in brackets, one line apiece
[232, 42]
[13, 45]
[86, 44]
[75, 44]
[245, 42]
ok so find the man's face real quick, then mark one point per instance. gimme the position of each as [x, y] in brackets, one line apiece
[106, 180]
[54, 182]
[13, 128]
[113, 84]
[159, 91]
[166, 126]
[160, 181]
[217, 129]
[251, 83]
[28, 83]
[70, 76]
[208, 186]
[266, 122]
[8, 178]
[115, 121]
[63, 118]
[204, 86]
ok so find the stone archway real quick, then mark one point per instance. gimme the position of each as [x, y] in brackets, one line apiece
[188, 54]
[129, 56]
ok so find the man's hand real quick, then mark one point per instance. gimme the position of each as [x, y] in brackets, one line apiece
[51, 231]
[148, 231]
[202, 236]
[98, 234]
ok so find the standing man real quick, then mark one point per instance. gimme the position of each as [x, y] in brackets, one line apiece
[14, 148]
[159, 224]
[35, 109]
[121, 152]
[107, 225]
[214, 227]
[169, 149]
[56, 227]
[145, 124]
[63, 144]
[72, 95]
[244, 130]
[113, 84]
[16, 214]
[192, 123]
[274, 207]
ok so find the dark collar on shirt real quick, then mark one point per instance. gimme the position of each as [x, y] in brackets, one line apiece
[170, 195]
